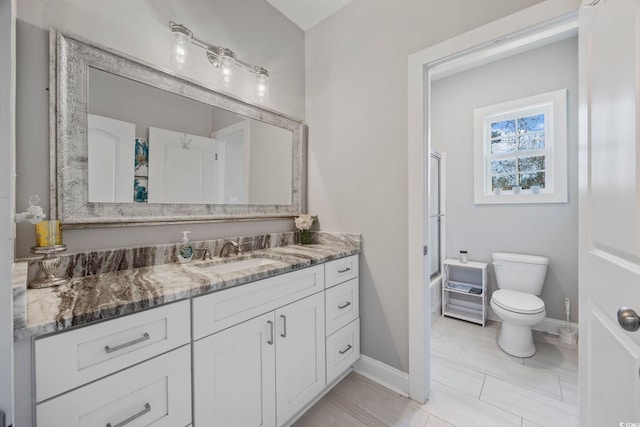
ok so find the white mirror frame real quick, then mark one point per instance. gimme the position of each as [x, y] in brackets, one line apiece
[70, 60]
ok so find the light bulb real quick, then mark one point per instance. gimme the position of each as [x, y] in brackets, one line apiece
[262, 83]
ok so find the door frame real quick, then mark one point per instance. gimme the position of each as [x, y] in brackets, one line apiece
[535, 26]
[8, 11]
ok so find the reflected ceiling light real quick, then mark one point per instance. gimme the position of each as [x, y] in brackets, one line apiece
[220, 57]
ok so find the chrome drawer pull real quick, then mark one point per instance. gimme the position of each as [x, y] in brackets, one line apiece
[345, 350]
[270, 340]
[147, 408]
[344, 270]
[284, 326]
[127, 344]
[345, 305]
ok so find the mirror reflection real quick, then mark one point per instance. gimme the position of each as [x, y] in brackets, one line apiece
[160, 147]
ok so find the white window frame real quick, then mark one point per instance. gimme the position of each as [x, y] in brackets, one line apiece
[554, 106]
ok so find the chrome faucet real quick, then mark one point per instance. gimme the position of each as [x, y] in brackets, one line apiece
[227, 244]
[237, 247]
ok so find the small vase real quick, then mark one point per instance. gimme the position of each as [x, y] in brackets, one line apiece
[305, 237]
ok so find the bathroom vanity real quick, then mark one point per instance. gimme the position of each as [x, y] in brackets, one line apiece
[135, 338]
[258, 342]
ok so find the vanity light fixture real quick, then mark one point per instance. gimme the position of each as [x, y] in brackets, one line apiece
[220, 57]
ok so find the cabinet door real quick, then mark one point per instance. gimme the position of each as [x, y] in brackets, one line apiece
[154, 393]
[80, 356]
[300, 355]
[234, 376]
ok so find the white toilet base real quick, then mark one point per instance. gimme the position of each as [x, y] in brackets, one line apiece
[516, 340]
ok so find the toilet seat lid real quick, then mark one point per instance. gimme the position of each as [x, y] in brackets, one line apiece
[518, 302]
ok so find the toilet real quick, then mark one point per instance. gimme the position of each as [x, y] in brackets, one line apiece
[520, 279]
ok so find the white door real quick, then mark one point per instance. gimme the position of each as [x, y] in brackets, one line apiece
[300, 355]
[609, 211]
[234, 160]
[234, 376]
[111, 152]
[182, 168]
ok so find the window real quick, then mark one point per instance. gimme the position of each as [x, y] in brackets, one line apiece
[521, 150]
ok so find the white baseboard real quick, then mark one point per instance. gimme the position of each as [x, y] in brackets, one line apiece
[383, 374]
[548, 325]
[552, 326]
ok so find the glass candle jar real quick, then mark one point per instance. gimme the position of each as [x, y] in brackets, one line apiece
[48, 233]
[463, 257]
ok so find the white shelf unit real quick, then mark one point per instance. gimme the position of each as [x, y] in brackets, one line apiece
[464, 290]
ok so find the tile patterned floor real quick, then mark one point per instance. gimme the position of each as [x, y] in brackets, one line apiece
[474, 383]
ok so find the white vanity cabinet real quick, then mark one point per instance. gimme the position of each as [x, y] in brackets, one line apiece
[154, 393]
[234, 375]
[300, 355]
[251, 355]
[136, 367]
[265, 369]
[342, 316]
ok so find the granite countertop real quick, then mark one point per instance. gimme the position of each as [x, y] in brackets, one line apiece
[102, 296]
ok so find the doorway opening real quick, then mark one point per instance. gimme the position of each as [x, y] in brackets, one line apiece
[526, 30]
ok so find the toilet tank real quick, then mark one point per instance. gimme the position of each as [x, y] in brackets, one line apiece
[519, 272]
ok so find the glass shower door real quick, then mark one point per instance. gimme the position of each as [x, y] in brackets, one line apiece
[436, 215]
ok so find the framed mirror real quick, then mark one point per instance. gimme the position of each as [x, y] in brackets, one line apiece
[132, 144]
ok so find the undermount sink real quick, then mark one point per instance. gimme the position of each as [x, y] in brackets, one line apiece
[236, 265]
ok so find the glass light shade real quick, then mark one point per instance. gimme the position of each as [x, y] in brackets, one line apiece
[226, 65]
[180, 49]
[262, 86]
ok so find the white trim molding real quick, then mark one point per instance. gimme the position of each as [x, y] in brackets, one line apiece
[547, 325]
[383, 374]
[552, 326]
[540, 24]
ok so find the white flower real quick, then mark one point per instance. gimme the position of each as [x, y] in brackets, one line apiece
[304, 222]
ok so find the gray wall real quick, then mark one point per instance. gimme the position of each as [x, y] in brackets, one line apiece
[146, 106]
[550, 230]
[7, 203]
[356, 93]
[256, 31]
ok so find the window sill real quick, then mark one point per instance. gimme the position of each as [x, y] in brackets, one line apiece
[525, 197]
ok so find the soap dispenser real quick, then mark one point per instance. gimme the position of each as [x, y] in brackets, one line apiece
[185, 251]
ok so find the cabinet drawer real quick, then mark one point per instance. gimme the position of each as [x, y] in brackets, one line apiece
[222, 309]
[71, 359]
[342, 305]
[343, 349]
[153, 393]
[341, 270]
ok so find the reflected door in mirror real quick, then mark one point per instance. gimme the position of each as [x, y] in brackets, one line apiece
[183, 168]
[111, 152]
